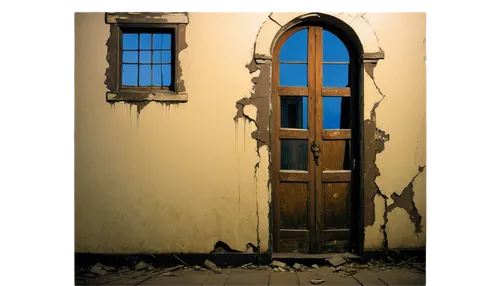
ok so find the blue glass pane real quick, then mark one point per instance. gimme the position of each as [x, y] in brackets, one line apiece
[293, 74]
[157, 75]
[129, 75]
[295, 48]
[335, 75]
[334, 108]
[130, 41]
[162, 41]
[167, 74]
[162, 56]
[145, 75]
[145, 43]
[145, 57]
[331, 112]
[334, 49]
[166, 41]
[130, 57]
[294, 112]
[162, 72]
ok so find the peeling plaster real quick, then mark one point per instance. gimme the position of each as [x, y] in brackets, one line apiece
[405, 201]
[256, 108]
[374, 144]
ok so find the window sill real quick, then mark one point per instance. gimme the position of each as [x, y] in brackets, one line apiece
[160, 96]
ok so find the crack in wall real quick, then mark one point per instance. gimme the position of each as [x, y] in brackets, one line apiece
[271, 18]
[373, 146]
[405, 201]
[260, 69]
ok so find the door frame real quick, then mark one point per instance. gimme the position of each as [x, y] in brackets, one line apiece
[356, 79]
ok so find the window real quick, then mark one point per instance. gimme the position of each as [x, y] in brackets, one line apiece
[147, 59]
[143, 53]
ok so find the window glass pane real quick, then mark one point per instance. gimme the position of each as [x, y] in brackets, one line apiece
[167, 75]
[129, 75]
[293, 74]
[157, 41]
[129, 57]
[295, 48]
[166, 41]
[157, 75]
[334, 49]
[145, 43]
[162, 56]
[145, 56]
[335, 75]
[294, 112]
[293, 154]
[145, 75]
[335, 112]
[130, 41]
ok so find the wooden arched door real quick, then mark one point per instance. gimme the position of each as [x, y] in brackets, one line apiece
[312, 152]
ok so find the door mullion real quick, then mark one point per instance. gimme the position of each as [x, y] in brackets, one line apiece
[311, 167]
[318, 127]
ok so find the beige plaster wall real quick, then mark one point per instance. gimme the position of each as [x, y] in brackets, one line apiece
[179, 178]
[401, 77]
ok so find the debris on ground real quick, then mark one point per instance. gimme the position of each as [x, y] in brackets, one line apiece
[298, 266]
[339, 268]
[279, 269]
[246, 265]
[317, 281]
[173, 268]
[336, 260]
[212, 266]
[277, 263]
[350, 256]
[98, 269]
[315, 266]
[185, 264]
[196, 267]
[143, 265]
[170, 274]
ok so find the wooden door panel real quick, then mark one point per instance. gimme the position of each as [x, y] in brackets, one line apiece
[294, 240]
[336, 207]
[293, 205]
[336, 155]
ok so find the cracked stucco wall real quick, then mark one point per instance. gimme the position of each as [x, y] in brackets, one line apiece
[395, 104]
[175, 178]
[136, 175]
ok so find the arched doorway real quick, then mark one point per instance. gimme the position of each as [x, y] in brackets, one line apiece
[316, 141]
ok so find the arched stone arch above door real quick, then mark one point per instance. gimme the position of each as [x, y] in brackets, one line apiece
[355, 24]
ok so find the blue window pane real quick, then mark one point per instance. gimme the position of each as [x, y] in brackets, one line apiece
[294, 112]
[293, 74]
[162, 56]
[166, 41]
[162, 72]
[145, 56]
[129, 75]
[130, 41]
[130, 57]
[295, 48]
[145, 43]
[167, 74]
[335, 75]
[145, 75]
[162, 41]
[334, 49]
[157, 75]
[335, 112]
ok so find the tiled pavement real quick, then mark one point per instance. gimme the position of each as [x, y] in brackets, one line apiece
[228, 277]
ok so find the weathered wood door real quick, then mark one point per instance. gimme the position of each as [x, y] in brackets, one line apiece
[311, 148]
